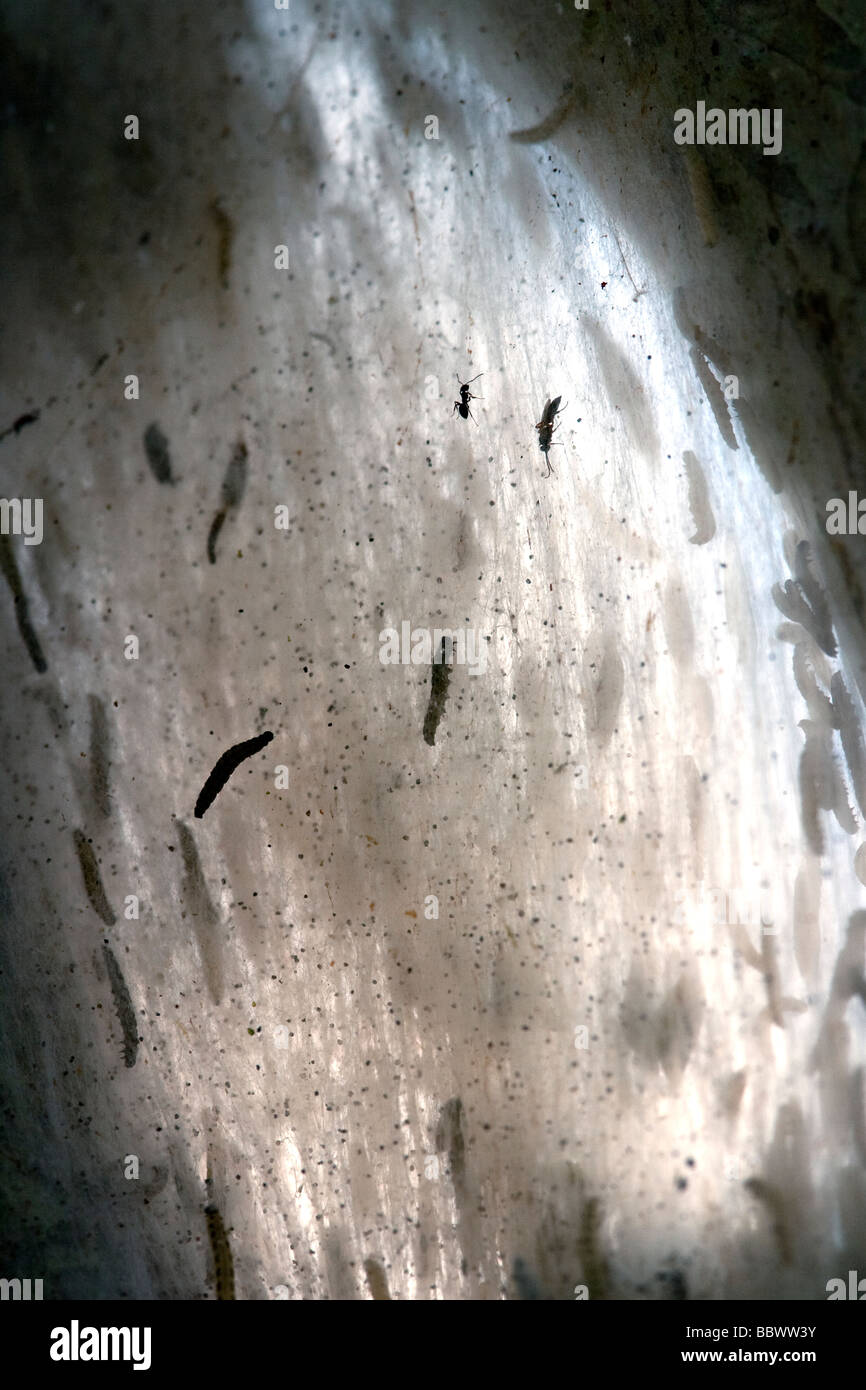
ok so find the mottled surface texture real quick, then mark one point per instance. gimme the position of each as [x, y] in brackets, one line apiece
[629, 1051]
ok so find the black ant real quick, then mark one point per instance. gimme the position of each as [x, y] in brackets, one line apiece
[462, 406]
[545, 429]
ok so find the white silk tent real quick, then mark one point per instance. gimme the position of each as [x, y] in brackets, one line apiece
[599, 1065]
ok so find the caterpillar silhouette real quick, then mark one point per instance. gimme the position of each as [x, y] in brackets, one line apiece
[92, 878]
[234, 483]
[9, 568]
[124, 1006]
[441, 674]
[225, 766]
[224, 1269]
[158, 456]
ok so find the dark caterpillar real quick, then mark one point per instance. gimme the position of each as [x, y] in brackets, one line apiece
[225, 766]
[224, 1270]
[441, 674]
[92, 878]
[28, 418]
[123, 1004]
[234, 483]
[216, 527]
[100, 756]
[9, 568]
[377, 1281]
[158, 457]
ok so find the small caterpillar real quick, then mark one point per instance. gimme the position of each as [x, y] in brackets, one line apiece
[216, 527]
[225, 766]
[450, 1138]
[377, 1281]
[9, 567]
[224, 1270]
[226, 232]
[123, 1004]
[202, 913]
[234, 483]
[28, 418]
[100, 756]
[441, 674]
[92, 878]
[158, 457]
